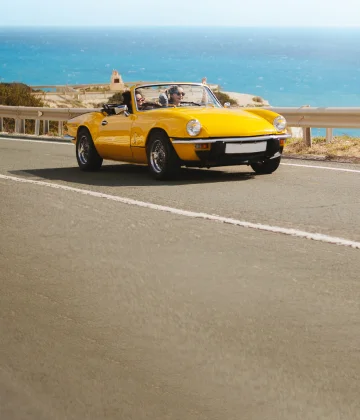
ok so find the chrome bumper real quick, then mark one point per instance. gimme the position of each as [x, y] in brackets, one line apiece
[230, 139]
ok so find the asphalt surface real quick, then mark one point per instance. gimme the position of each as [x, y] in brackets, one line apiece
[116, 311]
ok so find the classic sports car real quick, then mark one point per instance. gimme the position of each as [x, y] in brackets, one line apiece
[168, 126]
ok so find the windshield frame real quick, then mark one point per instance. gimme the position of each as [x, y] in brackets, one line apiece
[141, 88]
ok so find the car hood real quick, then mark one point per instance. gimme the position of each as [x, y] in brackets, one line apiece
[228, 122]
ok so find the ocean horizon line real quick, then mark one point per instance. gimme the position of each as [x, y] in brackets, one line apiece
[214, 26]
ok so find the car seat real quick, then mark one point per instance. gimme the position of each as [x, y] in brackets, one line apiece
[163, 100]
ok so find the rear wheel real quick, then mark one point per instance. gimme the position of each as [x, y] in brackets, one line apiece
[267, 166]
[162, 159]
[87, 157]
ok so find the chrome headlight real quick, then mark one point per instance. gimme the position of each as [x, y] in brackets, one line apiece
[193, 127]
[280, 123]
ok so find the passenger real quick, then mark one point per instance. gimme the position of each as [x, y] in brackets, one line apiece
[176, 93]
[142, 104]
[140, 100]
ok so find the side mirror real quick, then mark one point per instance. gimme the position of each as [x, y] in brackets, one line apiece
[121, 109]
[227, 105]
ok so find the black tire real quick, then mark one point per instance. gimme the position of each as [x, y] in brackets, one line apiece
[87, 156]
[163, 161]
[267, 166]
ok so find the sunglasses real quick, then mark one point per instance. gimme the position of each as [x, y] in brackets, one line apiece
[180, 93]
[140, 99]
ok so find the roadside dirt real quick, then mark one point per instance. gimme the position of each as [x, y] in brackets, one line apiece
[342, 149]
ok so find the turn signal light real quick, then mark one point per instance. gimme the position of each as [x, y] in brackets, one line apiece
[202, 146]
[282, 142]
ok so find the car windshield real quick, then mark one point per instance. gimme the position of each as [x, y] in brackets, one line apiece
[174, 95]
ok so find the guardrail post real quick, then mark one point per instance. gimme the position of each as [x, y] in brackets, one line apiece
[329, 135]
[19, 126]
[37, 127]
[1, 124]
[60, 128]
[307, 136]
[22, 127]
[46, 126]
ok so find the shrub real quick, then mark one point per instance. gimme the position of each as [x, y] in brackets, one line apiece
[258, 99]
[117, 98]
[18, 94]
[224, 97]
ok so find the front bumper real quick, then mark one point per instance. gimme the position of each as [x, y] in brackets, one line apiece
[216, 154]
[230, 139]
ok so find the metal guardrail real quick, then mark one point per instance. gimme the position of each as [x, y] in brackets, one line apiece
[304, 117]
[21, 113]
[329, 118]
[35, 113]
[320, 117]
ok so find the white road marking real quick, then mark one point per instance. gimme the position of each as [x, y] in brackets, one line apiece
[321, 167]
[275, 229]
[286, 164]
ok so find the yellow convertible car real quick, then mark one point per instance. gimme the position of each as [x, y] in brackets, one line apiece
[167, 126]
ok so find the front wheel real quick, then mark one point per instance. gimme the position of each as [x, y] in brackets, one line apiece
[267, 166]
[162, 159]
[87, 156]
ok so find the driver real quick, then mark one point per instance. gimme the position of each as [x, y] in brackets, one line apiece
[176, 93]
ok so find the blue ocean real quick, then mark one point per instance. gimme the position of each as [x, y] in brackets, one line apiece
[286, 66]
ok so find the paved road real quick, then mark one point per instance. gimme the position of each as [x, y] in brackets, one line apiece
[119, 311]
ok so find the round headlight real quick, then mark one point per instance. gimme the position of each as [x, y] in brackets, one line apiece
[193, 127]
[280, 123]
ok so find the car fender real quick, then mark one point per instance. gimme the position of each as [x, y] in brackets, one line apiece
[264, 113]
[174, 125]
[91, 121]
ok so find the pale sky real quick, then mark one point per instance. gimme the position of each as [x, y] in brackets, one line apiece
[181, 13]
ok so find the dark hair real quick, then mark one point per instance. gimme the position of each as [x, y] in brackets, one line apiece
[127, 99]
[173, 89]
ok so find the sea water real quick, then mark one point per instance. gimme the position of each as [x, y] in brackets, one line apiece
[286, 66]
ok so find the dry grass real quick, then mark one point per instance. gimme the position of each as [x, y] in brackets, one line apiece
[343, 147]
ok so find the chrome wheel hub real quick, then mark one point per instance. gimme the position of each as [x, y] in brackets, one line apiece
[83, 150]
[158, 156]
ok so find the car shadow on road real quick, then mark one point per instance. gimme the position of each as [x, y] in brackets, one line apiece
[132, 175]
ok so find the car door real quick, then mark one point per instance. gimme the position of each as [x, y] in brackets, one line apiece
[113, 141]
